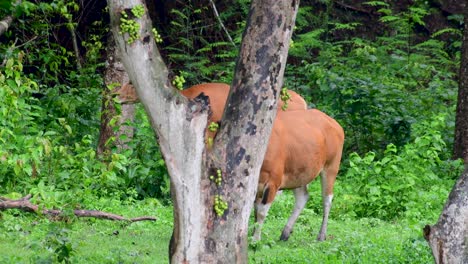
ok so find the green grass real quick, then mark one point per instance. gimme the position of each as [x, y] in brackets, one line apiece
[24, 238]
[366, 240]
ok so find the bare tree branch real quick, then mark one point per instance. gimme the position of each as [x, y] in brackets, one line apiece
[25, 205]
[71, 28]
[5, 23]
[354, 8]
[221, 22]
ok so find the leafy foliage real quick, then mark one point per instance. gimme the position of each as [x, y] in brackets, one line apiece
[201, 58]
[412, 181]
[375, 89]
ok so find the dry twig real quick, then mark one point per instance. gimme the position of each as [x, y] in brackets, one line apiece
[24, 204]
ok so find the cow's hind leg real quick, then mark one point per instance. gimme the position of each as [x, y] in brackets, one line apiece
[328, 177]
[262, 206]
[301, 196]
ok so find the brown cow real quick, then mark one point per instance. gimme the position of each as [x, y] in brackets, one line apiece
[302, 145]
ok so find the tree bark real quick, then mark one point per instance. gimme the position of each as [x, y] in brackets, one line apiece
[206, 231]
[461, 119]
[448, 238]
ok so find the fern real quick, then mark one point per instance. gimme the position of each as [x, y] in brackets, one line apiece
[454, 31]
[344, 26]
[376, 3]
[387, 19]
[416, 14]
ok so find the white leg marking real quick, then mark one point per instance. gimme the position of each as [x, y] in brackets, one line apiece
[301, 195]
[261, 211]
[327, 203]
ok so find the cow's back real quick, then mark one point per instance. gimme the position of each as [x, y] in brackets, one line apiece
[218, 93]
[301, 143]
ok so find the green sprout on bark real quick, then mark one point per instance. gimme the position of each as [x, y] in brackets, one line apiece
[131, 26]
[285, 96]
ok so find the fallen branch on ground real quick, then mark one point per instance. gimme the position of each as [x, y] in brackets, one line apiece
[25, 205]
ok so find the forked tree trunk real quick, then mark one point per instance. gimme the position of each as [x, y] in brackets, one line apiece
[461, 121]
[205, 232]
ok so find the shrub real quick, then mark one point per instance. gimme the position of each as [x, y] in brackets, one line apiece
[411, 181]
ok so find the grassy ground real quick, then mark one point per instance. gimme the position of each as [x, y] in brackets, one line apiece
[29, 239]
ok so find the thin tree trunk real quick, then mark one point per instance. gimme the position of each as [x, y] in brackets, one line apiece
[115, 75]
[71, 28]
[461, 120]
[5, 24]
[206, 231]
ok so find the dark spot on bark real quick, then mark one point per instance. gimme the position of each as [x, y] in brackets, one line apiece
[210, 245]
[258, 20]
[146, 39]
[247, 158]
[241, 185]
[279, 21]
[246, 173]
[240, 155]
[261, 54]
[239, 96]
[256, 104]
[251, 128]
[232, 146]
[201, 103]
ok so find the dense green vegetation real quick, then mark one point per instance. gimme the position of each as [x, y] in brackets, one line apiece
[393, 90]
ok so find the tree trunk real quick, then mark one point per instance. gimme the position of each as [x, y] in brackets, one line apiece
[448, 238]
[125, 94]
[461, 121]
[211, 216]
[251, 107]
